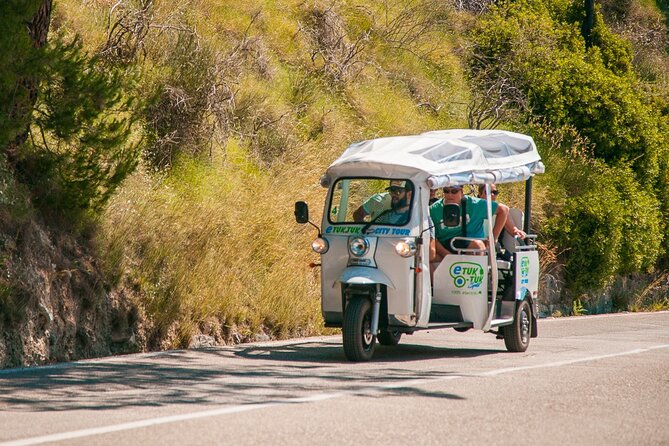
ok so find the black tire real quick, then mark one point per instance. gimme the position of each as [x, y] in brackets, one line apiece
[461, 329]
[517, 335]
[359, 343]
[389, 337]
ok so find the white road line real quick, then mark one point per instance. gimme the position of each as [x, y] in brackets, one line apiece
[308, 399]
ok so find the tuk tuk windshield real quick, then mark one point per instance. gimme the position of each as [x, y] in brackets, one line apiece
[365, 200]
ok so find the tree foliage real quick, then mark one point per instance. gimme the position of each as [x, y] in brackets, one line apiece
[612, 222]
[67, 115]
[19, 59]
[80, 148]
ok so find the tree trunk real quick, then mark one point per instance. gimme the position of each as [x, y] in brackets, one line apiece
[38, 29]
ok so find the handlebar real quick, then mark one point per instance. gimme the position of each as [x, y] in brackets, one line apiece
[526, 246]
[466, 250]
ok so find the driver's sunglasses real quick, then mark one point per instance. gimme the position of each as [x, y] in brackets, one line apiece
[452, 190]
[395, 190]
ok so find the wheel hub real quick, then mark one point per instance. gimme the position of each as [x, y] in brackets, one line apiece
[367, 336]
[524, 327]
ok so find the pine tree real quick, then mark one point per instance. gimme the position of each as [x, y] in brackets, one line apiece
[23, 35]
[66, 117]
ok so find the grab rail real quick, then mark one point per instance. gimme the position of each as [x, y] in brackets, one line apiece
[467, 250]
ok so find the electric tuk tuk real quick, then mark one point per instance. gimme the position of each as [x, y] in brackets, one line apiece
[375, 267]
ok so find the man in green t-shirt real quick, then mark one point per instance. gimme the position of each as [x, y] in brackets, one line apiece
[393, 204]
[477, 212]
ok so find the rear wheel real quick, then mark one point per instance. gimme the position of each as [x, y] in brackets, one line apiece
[389, 337]
[359, 342]
[517, 335]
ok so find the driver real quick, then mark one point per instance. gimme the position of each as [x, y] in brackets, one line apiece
[476, 212]
[400, 201]
[391, 207]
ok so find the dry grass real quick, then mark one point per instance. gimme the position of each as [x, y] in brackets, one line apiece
[215, 239]
[214, 242]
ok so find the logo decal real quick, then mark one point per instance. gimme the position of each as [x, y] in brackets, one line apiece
[379, 230]
[467, 274]
[524, 270]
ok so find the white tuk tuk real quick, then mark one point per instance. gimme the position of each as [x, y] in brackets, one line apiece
[375, 268]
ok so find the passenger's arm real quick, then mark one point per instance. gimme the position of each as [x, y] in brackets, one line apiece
[359, 214]
[502, 214]
[433, 249]
[513, 230]
[440, 251]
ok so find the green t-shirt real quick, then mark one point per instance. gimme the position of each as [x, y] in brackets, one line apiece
[476, 214]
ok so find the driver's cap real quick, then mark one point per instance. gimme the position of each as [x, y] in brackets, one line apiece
[397, 183]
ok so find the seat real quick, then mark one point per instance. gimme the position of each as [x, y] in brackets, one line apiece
[503, 264]
[508, 241]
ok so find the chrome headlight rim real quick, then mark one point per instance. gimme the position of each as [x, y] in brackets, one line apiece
[406, 247]
[320, 245]
[358, 246]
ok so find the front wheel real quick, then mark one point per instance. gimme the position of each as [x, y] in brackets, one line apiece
[390, 337]
[359, 342]
[517, 335]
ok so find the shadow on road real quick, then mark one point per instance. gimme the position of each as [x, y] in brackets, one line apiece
[327, 352]
[222, 376]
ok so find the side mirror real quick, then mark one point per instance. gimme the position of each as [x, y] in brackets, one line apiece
[451, 215]
[301, 212]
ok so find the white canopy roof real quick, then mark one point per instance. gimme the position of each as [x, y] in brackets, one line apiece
[442, 158]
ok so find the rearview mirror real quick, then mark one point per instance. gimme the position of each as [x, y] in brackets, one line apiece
[301, 212]
[451, 215]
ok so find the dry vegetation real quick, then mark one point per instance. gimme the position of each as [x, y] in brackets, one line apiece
[254, 101]
[251, 102]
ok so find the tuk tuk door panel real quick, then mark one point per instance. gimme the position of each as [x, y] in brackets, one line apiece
[333, 263]
[401, 272]
[462, 280]
[526, 273]
[423, 289]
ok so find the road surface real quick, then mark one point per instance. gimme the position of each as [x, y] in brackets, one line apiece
[594, 380]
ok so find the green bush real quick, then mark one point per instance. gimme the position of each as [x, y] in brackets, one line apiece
[642, 226]
[607, 225]
[80, 147]
[540, 50]
[606, 218]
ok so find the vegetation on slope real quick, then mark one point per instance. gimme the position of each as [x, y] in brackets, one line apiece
[232, 111]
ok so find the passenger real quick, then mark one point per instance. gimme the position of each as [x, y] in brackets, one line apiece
[433, 197]
[394, 204]
[509, 226]
[477, 212]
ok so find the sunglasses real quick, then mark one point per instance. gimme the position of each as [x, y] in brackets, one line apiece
[494, 192]
[452, 190]
[395, 190]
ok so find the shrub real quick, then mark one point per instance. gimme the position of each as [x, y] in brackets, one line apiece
[607, 225]
[540, 51]
[606, 218]
[182, 95]
[80, 147]
[336, 51]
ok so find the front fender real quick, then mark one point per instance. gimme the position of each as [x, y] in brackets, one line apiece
[362, 275]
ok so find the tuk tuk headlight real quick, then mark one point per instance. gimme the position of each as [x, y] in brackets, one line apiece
[358, 246]
[406, 247]
[320, 245]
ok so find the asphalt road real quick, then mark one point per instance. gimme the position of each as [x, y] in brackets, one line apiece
[600, 380]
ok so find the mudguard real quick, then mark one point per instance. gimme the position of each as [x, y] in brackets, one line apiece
[361, 275]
